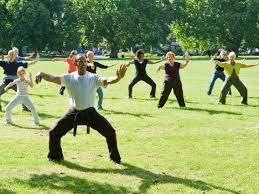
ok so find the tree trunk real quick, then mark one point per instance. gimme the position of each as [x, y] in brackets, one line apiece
[114, 51]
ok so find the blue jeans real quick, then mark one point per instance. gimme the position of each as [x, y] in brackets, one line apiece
[100, 97]
[27, 102]
[216, 75]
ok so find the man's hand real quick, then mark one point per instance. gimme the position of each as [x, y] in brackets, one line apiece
[38, 77]
[121, 71]
[6, 89]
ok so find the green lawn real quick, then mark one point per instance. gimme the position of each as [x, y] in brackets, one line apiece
[206, 148]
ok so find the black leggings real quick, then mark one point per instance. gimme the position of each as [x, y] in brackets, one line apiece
[146, 79]
[176, 85]
[89, 117]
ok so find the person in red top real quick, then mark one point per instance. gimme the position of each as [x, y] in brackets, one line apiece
[71, 66]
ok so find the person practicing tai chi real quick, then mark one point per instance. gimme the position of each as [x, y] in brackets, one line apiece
[91, 67]
[172, 79]
[70, 68]
[141, 74]
[232, 68]
[19, 58]
[81, 86]
[22, 96]
[10, 71]
[219, 71]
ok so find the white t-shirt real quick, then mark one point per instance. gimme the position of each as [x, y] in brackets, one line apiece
[81, 89]
[22, 86]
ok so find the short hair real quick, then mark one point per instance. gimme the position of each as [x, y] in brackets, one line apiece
[81, 58]
[139, 52]
[232, 54]
[170, 53]
[21, 68]
[16, 50]
[89, 53]
[73, 52]
[10, 51]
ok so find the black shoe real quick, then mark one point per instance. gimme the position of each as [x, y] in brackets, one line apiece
[130, 97]
[222, 103]
[244, 103]
[152, 96]
[209, 93]
[118, 161]
[55, 158]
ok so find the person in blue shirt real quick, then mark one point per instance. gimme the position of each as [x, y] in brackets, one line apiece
[10, 71]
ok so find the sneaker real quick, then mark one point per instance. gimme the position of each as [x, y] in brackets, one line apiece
[100, 108]
[118, 161]
[244, 103]
[152, 96]
[221, 103]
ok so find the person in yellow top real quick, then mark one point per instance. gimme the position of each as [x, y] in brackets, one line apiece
[232, 69]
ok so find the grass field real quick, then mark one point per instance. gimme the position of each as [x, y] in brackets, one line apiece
[206, 148]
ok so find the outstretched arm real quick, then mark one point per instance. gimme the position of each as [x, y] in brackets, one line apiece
[47, 77]
[130, 63]
[247, 66]
[221, 64]
[119, 75]
[9, 85]
[35, 61]
[155, 62]
[160, 67]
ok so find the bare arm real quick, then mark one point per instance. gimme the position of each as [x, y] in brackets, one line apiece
[130, 63]
[30, 81]
[9, 85]
[221, 64]
[183, 65]
[160, 67]
[119, 75]
[155, 62]
[32, 62]
[247, 66]
[47, 77]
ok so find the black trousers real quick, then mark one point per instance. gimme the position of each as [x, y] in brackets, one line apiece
[89, 117]
[238, 84]
[145, 78]
[176, 85]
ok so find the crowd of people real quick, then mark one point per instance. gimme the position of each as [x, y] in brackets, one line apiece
[82, 82]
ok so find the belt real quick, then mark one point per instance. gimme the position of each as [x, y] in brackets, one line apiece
[75, 122]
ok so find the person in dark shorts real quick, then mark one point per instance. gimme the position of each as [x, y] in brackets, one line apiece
[172, 79]
[219, 71]
[232, 69]
[81, 86]
[141, 74]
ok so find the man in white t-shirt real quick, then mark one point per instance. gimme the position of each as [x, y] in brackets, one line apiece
[81, 86]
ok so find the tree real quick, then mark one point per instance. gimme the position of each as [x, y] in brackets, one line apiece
[124, 23]
[5, 26]
[217, 23]
[30, 23]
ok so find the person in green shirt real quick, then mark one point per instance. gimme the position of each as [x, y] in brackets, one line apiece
[232, 69]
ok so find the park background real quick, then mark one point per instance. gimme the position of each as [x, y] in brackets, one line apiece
[205, 148]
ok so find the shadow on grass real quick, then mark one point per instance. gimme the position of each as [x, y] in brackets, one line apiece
[212, 112]
[47, 116]
[139, 115]
[44, 95]
[68, 183]
[148, 178]
[40, 127]
[6, 191]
